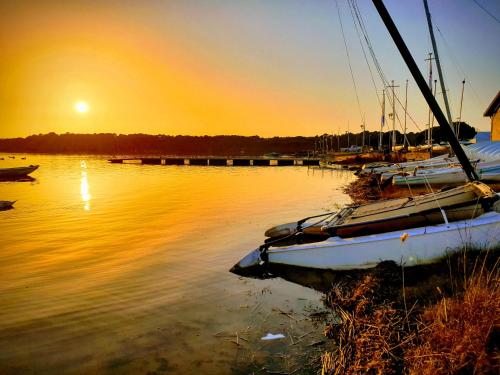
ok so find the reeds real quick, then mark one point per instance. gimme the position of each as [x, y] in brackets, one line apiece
[444, 321]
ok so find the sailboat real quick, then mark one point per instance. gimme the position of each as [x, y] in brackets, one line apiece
[413, 231]
[487, 172]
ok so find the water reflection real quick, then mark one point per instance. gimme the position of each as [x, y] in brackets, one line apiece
[84, 187]
[144, 286]
[18, 179]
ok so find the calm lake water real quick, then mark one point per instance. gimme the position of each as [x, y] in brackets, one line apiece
[108, 268]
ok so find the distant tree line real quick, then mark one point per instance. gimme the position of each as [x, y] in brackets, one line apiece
[144, 144]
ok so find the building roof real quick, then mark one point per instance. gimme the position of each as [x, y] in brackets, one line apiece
[493, 107]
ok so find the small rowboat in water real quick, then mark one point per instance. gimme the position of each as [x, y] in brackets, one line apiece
[5, 205]
[17, 172]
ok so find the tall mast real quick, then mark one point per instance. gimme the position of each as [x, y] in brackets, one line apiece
[419, 79]
[363, 137]
[382, 121]
[438, 64]
[406, 108]
[431, 125]
[348, 143]
[429, 135]
[457, 132]
[338, 139]
[393, 116]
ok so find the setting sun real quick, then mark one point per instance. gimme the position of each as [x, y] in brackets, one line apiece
[81, 107]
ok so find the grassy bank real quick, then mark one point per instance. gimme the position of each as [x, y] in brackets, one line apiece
[439, 319]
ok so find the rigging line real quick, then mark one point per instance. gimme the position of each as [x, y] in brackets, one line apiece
[361, 22]
[458, 66]
[407, 113]
[384, 80]
[364, 54]
[349, 60]
[486, 10]
[380, 71]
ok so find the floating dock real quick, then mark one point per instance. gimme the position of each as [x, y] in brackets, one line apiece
[219, 161]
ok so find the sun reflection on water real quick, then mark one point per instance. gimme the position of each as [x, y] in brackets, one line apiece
[84, 187]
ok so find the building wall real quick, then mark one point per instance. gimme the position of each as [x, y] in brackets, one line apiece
[495, 127]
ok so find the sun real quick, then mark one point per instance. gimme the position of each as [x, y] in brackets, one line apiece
[81, 107]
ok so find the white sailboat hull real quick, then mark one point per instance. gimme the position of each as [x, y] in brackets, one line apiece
[487, 172]
[410, 247]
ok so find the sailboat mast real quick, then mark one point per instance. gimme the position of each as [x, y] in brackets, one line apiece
[406, 108]
[382, 121]
[419, 79]
[438, 64]
[393, 116]
[348, 142]
[429, 136]
[431, 125]
[457, 132]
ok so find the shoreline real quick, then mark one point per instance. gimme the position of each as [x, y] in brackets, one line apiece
[441, 321]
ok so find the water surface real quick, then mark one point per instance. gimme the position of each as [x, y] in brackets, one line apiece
[108, 268]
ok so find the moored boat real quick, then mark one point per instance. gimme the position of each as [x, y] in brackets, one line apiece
[5, 205]
[487, 172]
[408, 230]
[409, 247]
[458, 203]
[17, 171]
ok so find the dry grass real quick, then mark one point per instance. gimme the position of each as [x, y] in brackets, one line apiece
[460, 335]
[452, 329]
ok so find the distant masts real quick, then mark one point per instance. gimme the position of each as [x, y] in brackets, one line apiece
[406, 109]
[382, 121]
[438, 64]
[393, 114]
[429, 132]
[457, 132]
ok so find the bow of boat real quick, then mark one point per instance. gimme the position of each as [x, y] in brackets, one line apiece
[249, 265]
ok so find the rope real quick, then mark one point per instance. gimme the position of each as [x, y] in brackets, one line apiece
[457, 65]
[364, 54]
[355, 10]
[486, 10]
[349, 60]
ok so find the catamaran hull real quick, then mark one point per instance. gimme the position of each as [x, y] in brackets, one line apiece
[409, 247]
[453, 176]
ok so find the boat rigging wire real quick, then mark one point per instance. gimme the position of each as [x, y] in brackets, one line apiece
[364, 55]
[458, 67]
[349, 61]
[359, 17]
[487, 11]
[417, 75]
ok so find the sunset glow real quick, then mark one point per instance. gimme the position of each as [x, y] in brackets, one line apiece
[81, 107]
[245, 67]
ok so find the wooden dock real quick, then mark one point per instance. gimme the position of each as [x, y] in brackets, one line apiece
[219, 161]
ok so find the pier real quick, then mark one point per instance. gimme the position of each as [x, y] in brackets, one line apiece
[219, 161]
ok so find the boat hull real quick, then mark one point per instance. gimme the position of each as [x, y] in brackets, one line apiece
[409, 247]
[17, 172]
[490, 173]
[6, 205]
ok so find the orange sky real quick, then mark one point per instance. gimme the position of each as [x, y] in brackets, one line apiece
[178, 68]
